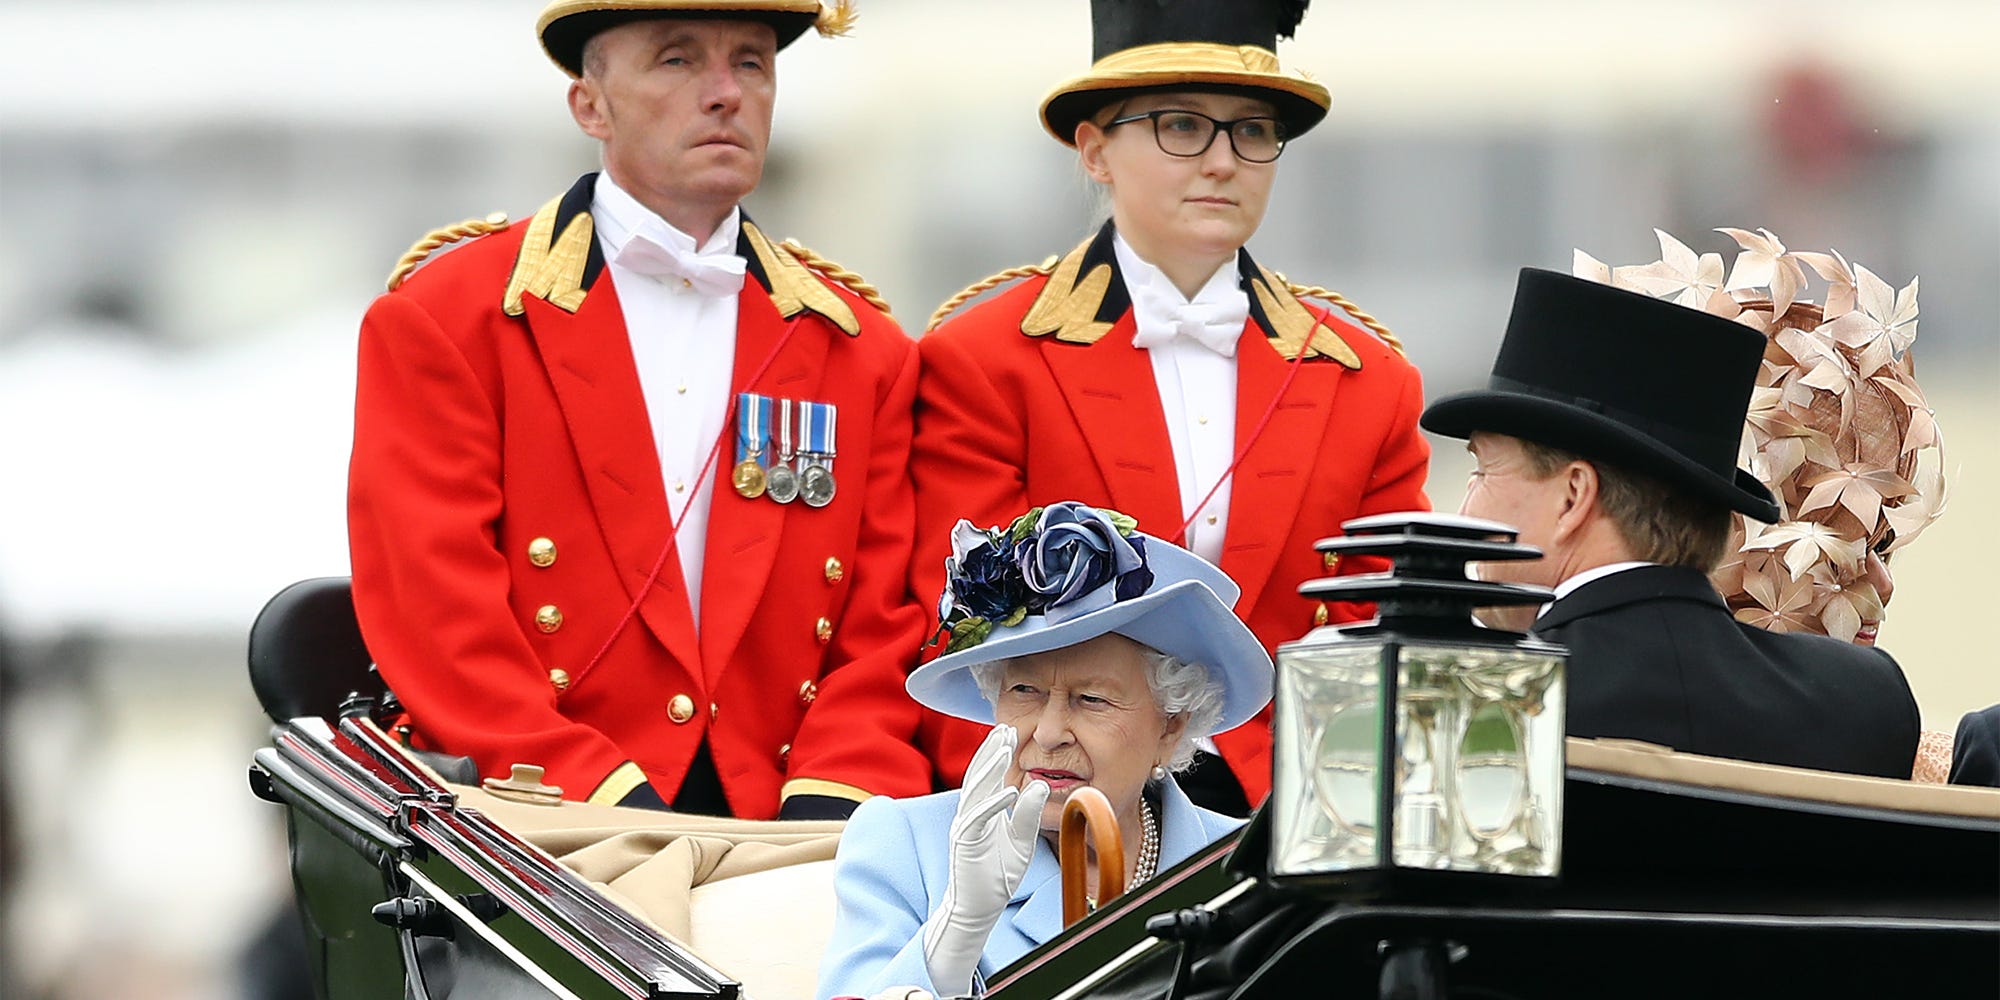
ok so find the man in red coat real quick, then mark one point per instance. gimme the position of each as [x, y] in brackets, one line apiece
[1157, 369]
[629, 495]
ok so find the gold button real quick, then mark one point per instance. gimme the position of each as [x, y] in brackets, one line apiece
[784, 753]
[681, 389]
[824, 629]
[713, 711]
[496, 219]
[685, 283]
[1332, 561]
[1319, 615]
[1211, 518]
[680, 709]
[835, 572]
[559, 679]
[808, 693]
[542, 552]
[548, 618]
[1202, 420]
[680, 487]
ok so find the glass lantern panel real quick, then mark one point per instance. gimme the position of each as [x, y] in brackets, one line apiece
[1479, 768]
[1327, 758]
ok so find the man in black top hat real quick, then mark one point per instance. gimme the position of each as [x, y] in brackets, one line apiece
[1608, 434]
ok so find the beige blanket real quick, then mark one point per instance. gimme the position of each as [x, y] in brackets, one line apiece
[650, 862]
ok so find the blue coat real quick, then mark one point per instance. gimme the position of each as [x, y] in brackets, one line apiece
[891, 870]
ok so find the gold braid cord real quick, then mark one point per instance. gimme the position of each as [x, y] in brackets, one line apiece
[974, 290]
[1348, 307]
[853, 282]
[446, 236]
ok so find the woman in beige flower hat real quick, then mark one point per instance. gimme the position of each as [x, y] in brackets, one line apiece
[1838, 429]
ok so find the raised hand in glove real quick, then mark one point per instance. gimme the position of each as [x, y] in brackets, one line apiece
[990, 850]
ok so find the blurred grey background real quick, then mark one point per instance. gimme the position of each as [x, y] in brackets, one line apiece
[198, 199]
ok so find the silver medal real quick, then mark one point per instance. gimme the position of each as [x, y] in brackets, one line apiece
[816, 485]
[781, 484]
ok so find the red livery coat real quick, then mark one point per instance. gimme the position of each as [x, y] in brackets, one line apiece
[482, 436]
[1007, 420]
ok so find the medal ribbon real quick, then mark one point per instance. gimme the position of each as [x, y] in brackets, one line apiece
[818, 428]
[784, 431]
[753, 416]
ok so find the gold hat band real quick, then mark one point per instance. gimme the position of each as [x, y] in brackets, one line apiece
[1170, 63]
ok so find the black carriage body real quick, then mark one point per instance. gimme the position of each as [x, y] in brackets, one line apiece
[406, 893]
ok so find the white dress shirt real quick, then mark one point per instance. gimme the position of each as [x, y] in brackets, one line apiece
[1197, 388]
[684, 344]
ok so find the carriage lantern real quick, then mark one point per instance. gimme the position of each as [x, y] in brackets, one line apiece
[1420, 743]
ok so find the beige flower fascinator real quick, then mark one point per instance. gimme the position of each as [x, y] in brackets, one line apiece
[1837, 428]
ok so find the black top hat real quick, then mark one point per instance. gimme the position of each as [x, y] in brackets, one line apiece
[566, 25]
[1624, 378]
[1229, 45]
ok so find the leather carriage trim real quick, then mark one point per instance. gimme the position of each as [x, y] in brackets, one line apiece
[618, 784]
[1292, 323]
[551, 268]
[818, 786]
[793, 286]
[442, 236]
[1068, 307]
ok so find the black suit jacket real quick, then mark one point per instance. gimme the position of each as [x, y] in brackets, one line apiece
[1656, 656]
[1975, 751]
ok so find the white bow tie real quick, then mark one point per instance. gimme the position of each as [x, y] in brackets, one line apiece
[716, 275]
[1161, 316]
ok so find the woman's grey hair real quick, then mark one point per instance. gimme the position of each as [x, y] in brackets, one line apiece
[1179, 688]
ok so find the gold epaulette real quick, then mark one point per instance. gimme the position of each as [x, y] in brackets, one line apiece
[1347, 306]
[972, 291]
[793, 286]
[446, 236]
[550, 268]
[834, 272]
[1068, 304]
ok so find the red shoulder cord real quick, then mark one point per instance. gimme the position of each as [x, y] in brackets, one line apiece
[673, 536]
[1319, 319]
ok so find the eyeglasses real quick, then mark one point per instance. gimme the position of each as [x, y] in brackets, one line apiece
[1190, 133]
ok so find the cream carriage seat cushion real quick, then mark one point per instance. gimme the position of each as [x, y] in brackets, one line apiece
[752, 898]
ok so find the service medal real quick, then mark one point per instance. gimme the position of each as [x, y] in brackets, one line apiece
[782, 484]
[753, 422]
[816, 422]
[816, 485]
[749, 479]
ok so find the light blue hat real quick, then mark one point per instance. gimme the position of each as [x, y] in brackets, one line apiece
[1068, 573]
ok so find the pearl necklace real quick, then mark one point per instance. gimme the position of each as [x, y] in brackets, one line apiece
[1149, 844]
[1149, 850]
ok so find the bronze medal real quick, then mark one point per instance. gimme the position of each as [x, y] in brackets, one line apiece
[749, 479]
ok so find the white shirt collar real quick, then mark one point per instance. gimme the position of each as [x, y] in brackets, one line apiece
[1136, 270]
[618, 217]
[1569, 586]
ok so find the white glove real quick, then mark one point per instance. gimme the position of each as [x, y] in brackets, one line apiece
[990, 850]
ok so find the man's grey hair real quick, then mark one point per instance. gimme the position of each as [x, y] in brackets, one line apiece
[1179, 688]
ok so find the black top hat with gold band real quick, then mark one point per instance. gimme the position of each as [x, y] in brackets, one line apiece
[1224, 45]
[565, 25]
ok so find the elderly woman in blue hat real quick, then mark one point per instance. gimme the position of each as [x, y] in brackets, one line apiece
[1098, 655]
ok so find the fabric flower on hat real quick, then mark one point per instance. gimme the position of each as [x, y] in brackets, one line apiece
[1058, 561]
[1072, 553]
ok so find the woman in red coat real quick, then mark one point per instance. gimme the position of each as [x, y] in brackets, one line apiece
[1156, 368]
